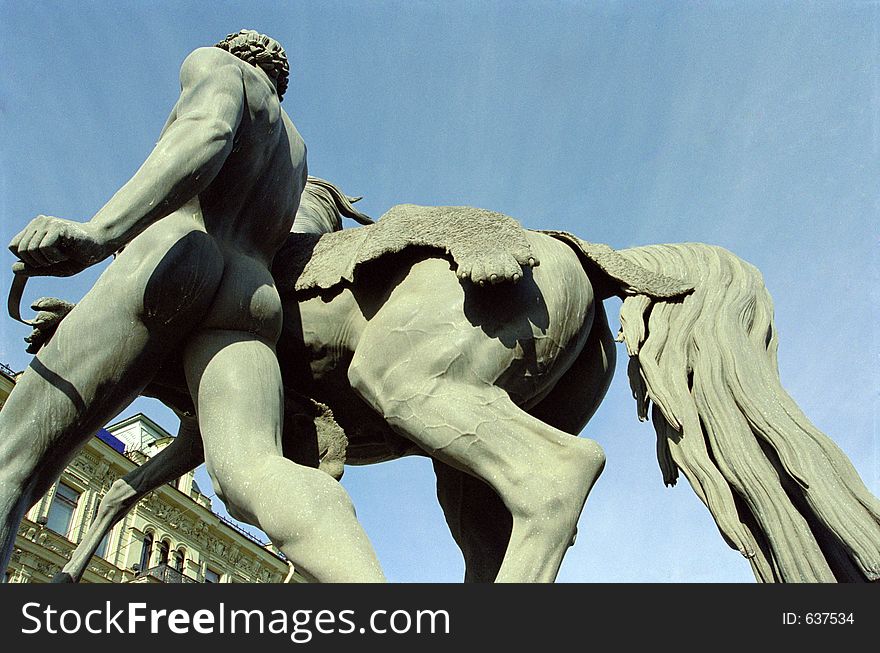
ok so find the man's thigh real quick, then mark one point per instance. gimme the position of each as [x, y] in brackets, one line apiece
[236, 383]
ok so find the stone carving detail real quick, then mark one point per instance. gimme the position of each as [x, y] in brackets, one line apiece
[45, 567]
[86, 464]
[200, 532]
[174, 518]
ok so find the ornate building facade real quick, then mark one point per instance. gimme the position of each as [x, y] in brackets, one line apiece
[171, 535]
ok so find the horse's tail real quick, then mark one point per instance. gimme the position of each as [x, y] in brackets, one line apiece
[780, 490]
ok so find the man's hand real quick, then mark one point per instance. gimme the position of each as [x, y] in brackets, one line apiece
[55, 247]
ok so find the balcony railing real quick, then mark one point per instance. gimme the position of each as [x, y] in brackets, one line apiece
[253, 538]
[165, 574]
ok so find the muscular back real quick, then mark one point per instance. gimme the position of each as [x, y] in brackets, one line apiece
[231, 165]
[204, 214]
[250, 204]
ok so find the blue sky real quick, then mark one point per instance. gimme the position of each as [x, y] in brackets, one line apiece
[751, 125]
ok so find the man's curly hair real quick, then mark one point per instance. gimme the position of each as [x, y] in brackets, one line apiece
[261, 51]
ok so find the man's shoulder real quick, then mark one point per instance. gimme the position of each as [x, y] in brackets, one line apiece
[207, 60]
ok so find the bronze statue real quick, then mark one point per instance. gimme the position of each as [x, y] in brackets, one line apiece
[493, 381]
[487, 357]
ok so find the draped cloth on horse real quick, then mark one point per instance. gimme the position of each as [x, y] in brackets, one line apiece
[471, 237]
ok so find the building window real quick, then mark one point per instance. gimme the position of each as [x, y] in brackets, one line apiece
[211, 576]
[62, 509]
[179, 558]
[146, 552]
[164, 552]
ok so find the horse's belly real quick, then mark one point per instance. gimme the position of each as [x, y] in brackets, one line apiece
[318, 339]
[315, 353]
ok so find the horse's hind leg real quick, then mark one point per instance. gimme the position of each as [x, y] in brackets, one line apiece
[182, 455]
[423, 375]
[542, 475]
[424, 362]
[479, 521]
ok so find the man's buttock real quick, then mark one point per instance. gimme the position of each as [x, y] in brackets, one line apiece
[178, 276]
[166, 277]
[246, 300]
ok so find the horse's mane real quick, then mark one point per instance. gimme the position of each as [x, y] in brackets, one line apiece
[322, 206]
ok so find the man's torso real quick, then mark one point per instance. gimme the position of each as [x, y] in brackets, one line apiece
[247, 211]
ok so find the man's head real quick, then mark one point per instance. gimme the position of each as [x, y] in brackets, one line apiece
[261, 51]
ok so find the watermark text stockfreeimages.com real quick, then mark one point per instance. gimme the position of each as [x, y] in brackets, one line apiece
[299, 625]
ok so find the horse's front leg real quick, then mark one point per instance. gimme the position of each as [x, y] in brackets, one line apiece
[181, 456]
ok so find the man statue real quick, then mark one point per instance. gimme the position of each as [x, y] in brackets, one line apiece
[200, 223]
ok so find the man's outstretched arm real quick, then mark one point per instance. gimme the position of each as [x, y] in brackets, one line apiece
[189, 154]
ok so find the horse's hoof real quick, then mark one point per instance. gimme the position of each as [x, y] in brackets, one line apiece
[62, 577]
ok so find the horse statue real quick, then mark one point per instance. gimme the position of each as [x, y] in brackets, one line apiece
[494, 380]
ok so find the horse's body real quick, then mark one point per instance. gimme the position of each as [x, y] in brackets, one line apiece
[480, 364]
[454, 367]
[491, 382]
[521, 339]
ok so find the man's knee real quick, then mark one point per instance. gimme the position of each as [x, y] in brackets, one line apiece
[227, 490]
[241, 487]
[248, 491]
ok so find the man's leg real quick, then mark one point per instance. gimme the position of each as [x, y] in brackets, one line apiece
[235, 379]
[101, 357]
[91, 369]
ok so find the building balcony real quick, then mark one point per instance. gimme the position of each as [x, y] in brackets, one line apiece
[163, 574]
